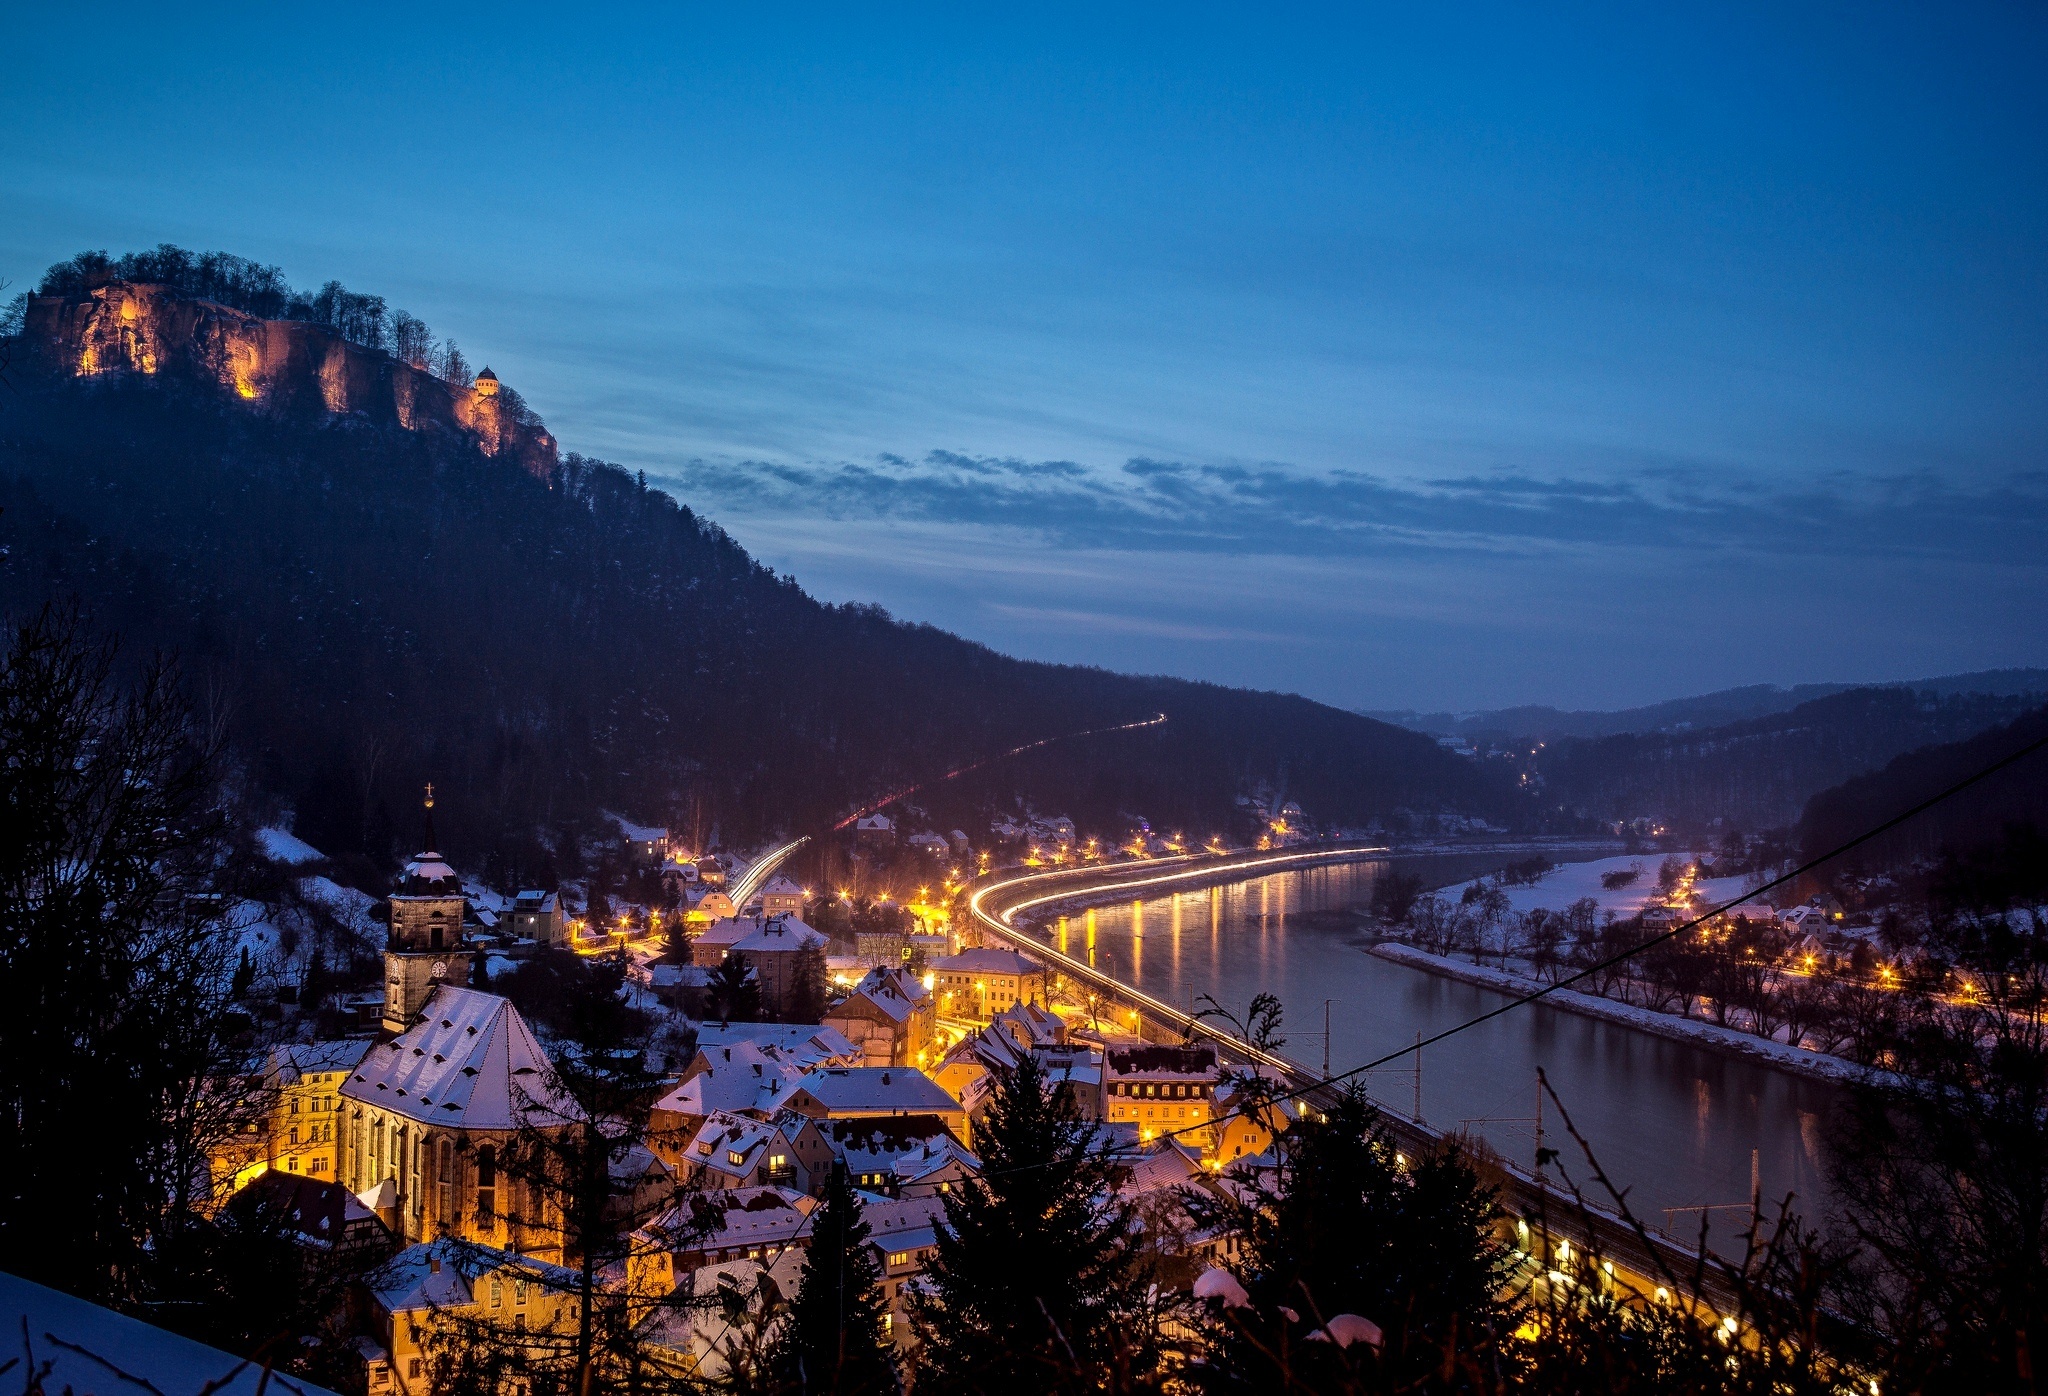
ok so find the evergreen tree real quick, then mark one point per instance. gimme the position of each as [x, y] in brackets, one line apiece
[1348, 1229]
[735, 994]
[834, 1340]
[1034, 1286]
[808, 995]
[117, 972]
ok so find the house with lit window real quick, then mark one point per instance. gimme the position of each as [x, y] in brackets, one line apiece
[889, 1016]
[429, 1291]
[904, 1235]
[431, 1112]
[781, 896]
[983, 981]
[899, 1155]
[766, 1225]
[734, 1151]
[1161, 1088]
[293, 1109]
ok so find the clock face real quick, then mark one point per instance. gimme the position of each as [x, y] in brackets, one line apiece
[440, 970]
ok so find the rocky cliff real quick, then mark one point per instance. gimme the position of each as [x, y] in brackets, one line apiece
[282, 367]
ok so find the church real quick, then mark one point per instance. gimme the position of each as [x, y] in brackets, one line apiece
[440, 1117]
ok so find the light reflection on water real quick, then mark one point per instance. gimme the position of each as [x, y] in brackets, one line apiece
[1674, 1123]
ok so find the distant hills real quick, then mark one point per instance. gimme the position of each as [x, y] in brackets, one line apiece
[379, 571]
[1761, 771]
[1996, 809]
[1717, 709]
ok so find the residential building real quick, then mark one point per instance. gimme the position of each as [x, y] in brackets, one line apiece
[904, 1234]
[889, 1016]
[431, 1111]
[874, 828]
[983, 981]
[307, 1078]
[644, 843]
[536, 916]
[436, 1287]
[776, 950]
[781, 896]
[966, 1072]
[741, 1079]
[899, 1155]
[761, 1224]
[1160, 1088]
[320, 1216]
[736, 1151]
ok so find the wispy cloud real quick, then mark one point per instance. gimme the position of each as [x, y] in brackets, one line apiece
[1151, 504]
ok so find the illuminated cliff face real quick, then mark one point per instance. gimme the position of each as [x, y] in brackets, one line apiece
[272, 365]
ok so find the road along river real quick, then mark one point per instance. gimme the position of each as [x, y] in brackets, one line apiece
[1675, 1123]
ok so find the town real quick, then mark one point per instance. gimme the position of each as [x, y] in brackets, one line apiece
[782, 1037]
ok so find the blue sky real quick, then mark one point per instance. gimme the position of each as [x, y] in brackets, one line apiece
[1402, 357]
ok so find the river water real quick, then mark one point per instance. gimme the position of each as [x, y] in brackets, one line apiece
[1674, 1123]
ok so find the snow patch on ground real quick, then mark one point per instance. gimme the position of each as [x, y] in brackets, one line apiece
[1569, 882]
[282, 846]
[350, 907]
[1818, 1065]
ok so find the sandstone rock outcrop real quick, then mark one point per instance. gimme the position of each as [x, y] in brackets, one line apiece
[282, 366]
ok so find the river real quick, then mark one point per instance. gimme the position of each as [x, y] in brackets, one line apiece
[1674, 1123]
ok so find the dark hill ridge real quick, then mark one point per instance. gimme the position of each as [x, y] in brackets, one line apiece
[1717, 709]
[1758, 773]
[374, 599]
[2015, 797]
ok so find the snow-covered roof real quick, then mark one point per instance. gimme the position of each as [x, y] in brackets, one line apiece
[895, 992]
[288, 1065]
[879, 822]
[740, 1077]
[781, 885]
[164, 1360]
[988, 959]
[901, 1224]
[896, 1090]
[778, 934]
[637, 833]
[470, 1063]
[730, 1144]
[762, 1216]
[443, 1273]
[909, 1146]
[807, 1044]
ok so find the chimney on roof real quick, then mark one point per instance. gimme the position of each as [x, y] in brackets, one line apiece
[434, 1263]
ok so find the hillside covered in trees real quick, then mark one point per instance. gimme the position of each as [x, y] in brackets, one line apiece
[1760, 772]
[365, 599]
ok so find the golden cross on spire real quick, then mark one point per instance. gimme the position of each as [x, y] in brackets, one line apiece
[430, 794]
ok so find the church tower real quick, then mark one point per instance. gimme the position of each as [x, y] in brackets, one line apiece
[425, 948]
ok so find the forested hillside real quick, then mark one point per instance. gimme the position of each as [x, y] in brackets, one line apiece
[2000, 807]
[365, 607]
[1758, 773]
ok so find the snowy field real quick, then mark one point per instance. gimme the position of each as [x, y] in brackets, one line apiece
[1571, 881]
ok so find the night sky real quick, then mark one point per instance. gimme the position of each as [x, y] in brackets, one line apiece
[1401, 358]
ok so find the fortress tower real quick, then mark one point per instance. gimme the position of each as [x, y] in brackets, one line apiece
[425, 946]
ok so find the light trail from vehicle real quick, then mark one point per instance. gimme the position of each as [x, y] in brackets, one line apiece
[865, 810]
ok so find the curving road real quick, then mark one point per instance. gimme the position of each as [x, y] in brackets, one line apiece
[994, 905]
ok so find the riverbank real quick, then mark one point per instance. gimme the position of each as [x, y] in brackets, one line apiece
[1816, 1066]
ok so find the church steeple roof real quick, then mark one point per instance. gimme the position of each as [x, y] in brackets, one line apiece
[427, 875]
